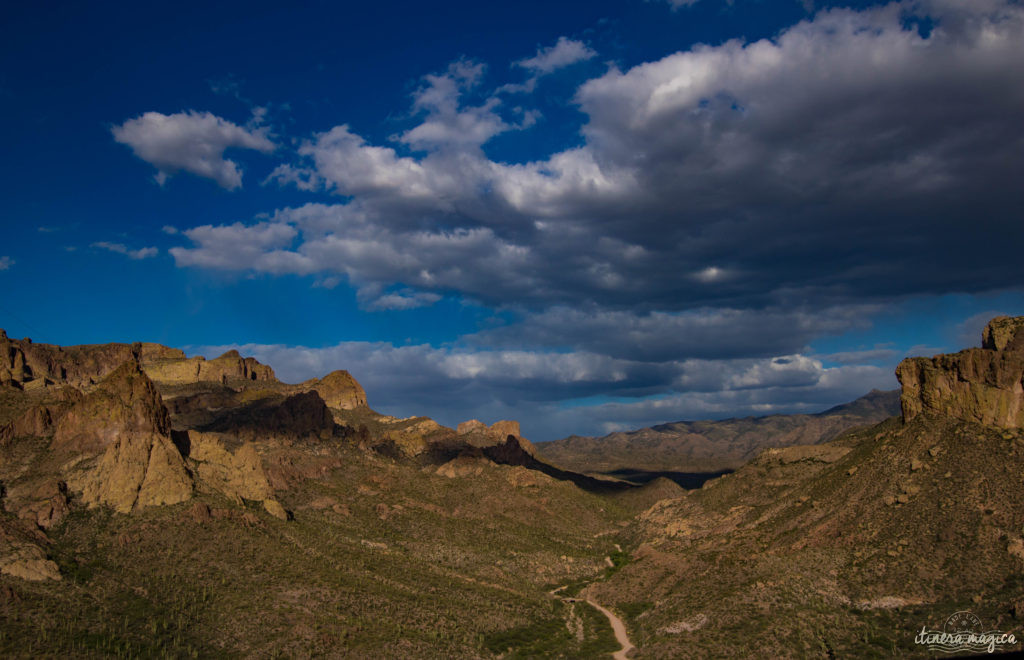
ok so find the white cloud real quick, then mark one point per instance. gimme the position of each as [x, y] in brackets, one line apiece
[845, 127]
[191, 141]
[728, 205]
[405, 299]
[260, 247]
[6, 263]
[120, 248]
[564, 53]
[449, 123]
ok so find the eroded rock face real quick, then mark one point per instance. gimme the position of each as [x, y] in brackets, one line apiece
[126, 401]
[414, 437]
[115, 445]
[35, 421]
[237, 474]
[23, 553]
[227, 367]
[338, 389]
[479, 434]
[978, 384]
[47, 505]
[27, 365]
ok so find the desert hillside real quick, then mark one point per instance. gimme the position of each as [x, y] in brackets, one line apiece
[849, 548]
[155, 504]
[161, 505]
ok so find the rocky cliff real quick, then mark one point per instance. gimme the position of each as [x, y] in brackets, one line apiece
[981, 385]
[478, 434]
[229, 366]
[27, 365]
[115, 446]
[338, 389]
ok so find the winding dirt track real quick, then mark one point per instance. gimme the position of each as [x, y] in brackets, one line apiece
[620, 632]
[618, 627]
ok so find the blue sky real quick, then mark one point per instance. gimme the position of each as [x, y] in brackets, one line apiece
[584, 216]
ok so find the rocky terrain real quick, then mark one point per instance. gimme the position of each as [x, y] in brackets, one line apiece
[848, 548]
[159, 504]
[712, 446]
[155, 504]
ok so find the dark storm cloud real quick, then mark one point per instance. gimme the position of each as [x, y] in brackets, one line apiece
[727, 206]
[705, 333]
[851, 157]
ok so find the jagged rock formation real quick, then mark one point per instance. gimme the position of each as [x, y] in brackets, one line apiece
[984, 385]
[478, 434]
[413, 436]
[27, 365]
[115, 447]
[37, 420]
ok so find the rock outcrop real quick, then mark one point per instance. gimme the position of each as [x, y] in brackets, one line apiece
[35, 421]
[984, 385]
[23, 553]
[229, 366]
[478, 434]
[115, 447]
[236, 474]
[338, 389]
[413, 436]
[27, 365]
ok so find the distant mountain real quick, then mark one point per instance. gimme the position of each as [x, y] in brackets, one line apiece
[712, 446]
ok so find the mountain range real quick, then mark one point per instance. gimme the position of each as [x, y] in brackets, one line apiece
[713, 445]
[156, 504]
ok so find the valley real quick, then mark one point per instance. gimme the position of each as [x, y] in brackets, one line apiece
[156, 504]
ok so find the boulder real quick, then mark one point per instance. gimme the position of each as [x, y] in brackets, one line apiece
[274, 508]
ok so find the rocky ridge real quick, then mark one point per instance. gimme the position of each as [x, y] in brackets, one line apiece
[713, 445]
[161, 428]
[984, 385]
